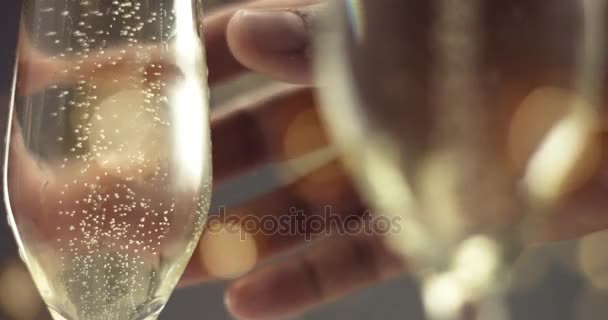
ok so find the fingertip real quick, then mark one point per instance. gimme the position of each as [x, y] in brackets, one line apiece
[272, 42]
[233, 301]
[237, 39]
[38, 72]
[229, 302]
[278, 290]
[257, 297]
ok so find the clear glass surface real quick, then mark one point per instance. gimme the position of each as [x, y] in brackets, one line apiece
[464, 119]
[108, 171]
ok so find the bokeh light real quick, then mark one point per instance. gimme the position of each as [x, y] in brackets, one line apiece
[228, 251]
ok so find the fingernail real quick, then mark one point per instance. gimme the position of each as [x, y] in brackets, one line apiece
[272, 30]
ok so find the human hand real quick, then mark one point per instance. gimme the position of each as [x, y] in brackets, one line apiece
[540, 61]
[282, 124]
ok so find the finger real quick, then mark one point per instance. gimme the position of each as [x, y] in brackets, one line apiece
[260, 229]
[49, 198]
[271, 42]
[107, 70]
[274, 124]
[275, 42]
[277, 123]
[26, 179]
[326, 272]
[37, 70]
[222, 63]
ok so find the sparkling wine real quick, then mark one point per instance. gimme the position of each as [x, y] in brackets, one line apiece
[108, 175]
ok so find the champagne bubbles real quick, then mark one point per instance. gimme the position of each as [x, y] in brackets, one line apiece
[109, 228]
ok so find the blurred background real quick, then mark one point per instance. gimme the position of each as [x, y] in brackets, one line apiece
[560, 281]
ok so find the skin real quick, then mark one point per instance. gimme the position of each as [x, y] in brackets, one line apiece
[256, 127]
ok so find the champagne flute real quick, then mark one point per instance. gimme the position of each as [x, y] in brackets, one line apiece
[420, 98]
[108, 174]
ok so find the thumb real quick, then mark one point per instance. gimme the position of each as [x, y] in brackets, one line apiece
[275, 42]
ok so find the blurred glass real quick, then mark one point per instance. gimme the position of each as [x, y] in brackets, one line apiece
[469, 120]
